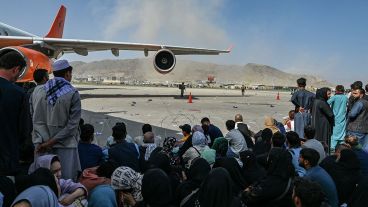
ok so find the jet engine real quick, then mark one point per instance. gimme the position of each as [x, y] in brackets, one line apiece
[164, 61]
[34, 60]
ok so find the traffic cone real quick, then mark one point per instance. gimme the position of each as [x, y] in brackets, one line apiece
[278, 96]
[190, 98]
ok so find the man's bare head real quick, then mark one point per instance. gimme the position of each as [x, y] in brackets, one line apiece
[148, 137]
[11, 65]
[351, 140]
[238, 118]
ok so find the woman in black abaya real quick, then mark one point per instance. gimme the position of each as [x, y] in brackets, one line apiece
[235, 171]
[322, 116]
[216, 190]
[276, 188]
[187, 192]
[345, 172]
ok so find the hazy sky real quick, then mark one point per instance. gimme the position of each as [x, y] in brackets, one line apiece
[327, 38]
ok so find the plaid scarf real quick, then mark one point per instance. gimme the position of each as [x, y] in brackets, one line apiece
[56, 88]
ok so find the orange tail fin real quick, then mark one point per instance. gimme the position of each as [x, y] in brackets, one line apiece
[57, 27]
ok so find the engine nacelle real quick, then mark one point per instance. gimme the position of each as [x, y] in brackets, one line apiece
[164, 61]
[34, 61]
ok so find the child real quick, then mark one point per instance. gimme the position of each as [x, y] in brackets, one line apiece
[90, 155]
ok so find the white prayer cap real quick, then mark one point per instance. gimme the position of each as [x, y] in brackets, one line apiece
[60, 65]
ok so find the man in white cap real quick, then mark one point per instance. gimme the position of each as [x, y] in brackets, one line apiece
[56, 111]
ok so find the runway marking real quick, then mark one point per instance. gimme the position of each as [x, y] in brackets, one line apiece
[256, 104]
[194, 110]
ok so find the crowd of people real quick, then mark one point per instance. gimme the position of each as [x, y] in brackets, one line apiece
[318, 156]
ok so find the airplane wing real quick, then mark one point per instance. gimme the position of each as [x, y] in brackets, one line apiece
[82, 47]
[6, 41]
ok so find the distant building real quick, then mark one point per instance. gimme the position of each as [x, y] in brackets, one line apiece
[112, 82]
[258, 87]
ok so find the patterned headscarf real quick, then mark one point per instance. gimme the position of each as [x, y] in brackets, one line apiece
[169, 144]
[125, 178]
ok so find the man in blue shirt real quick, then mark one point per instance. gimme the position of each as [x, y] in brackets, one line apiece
[302, 100]
[294, 146]
[307, 193]
[308, 159]
[123, 152]
[90, 155]
[210, 130]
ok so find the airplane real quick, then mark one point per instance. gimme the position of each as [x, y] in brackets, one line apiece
[39, 52]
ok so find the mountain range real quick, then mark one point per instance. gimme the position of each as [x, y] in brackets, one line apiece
[142, 69]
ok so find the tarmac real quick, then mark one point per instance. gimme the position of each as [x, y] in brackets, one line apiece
[165, 110]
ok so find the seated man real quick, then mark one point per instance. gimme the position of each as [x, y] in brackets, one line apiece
[236, 140]
[309, 160]
[123, 152]
[311, 142]
[307, 193]
[186, 141]
[147, 128]
[210, 130]
[90, 155]
[243, 128]
[293, 142]
[360, 153]
[146, 149]
[110, 140]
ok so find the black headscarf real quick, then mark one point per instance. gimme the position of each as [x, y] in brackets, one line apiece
[7, 188]
[279, 163]
[360, 194]
[329, 163]
[345, 172]
[268, 190]
[251, 170]
[42, 176]
[349, 160]
[216, 190]
[198, 171]
[156, 188]
[249, 159]
[266, 135]
[264, 145]
[159, 159]
[232, 166]
[321, 94]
